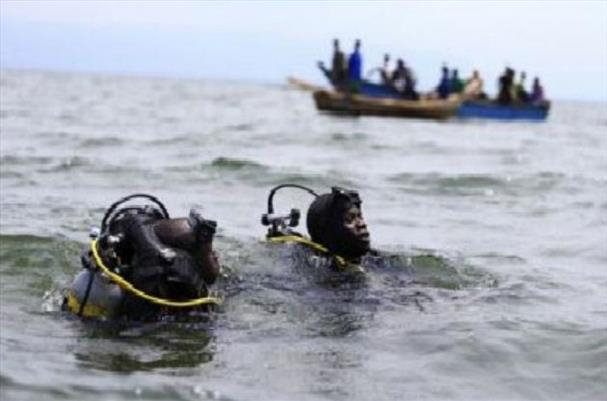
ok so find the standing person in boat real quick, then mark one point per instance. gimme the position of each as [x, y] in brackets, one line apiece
[444, 86]
[537, 92]
[474, 87]
[355, 67]
[337, 74]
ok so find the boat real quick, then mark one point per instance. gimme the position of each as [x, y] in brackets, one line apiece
[381, 100]
[492, 110]
[357, 104]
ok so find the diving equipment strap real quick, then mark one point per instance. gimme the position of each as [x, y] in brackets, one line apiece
[85, 309]
[340, 260]
[125, 285]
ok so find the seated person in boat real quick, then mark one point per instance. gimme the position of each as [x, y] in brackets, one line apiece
[473, 90]
[385, 71]
[337, 229]
[506, 83]
[403, 80]
[457, 85]
[537, 93]
[338, 72]
[143, 265]
[520, 93]
[444, 86]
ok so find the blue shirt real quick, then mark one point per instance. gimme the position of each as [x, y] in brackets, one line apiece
[355, 66]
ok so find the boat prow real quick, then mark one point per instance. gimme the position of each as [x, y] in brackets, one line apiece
[302, 85]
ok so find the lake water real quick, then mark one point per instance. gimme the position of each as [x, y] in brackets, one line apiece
[503, 228]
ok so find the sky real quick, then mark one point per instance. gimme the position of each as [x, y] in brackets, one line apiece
[562, 42]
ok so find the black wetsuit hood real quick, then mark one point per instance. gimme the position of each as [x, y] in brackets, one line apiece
[325, 222]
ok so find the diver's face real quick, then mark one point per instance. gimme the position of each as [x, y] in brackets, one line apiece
[355, 225]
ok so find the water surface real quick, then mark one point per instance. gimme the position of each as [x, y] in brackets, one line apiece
[500, 231]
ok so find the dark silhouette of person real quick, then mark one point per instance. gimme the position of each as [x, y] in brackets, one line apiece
[355, 63]
[537, 92]
[338, 72]
[505, 83]
[444, 86]
[521, 93]
[457, 85]
[384, 71]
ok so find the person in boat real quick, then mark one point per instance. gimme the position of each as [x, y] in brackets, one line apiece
[537, 92]
[444, 86]
[338, 231]
[506, 82]
[457, 85]
[473, 90]
[144, 265]
[384, 71]
[397, 78]
[403, 80]
[521, 94]
[338, 72]
[355, 67]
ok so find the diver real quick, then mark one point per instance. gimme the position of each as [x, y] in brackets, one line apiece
[338, 251]
[143, 265]
[337, 229]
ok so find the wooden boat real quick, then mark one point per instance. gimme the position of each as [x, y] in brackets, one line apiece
[356, 104]
[492, 110]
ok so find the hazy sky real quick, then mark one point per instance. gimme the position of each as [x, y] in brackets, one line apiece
[565, 43]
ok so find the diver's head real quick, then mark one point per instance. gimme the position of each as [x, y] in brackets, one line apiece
[335, 221]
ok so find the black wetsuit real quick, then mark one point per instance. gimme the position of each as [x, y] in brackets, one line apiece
[164, 258]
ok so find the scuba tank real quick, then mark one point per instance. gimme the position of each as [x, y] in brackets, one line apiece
[142, 263]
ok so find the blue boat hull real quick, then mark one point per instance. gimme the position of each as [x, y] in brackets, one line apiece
[501, 112]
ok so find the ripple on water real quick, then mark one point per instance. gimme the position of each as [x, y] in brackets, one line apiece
[105, 142]
[447, 185]
[67, 164]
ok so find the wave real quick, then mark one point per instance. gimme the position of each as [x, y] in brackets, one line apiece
[23, 253]
[102, 142]
[8, 160]
[236, 164]
[477, 184]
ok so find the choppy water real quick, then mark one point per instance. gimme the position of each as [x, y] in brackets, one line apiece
[501, 229]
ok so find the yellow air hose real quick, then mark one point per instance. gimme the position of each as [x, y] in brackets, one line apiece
[125, 285]
[341, 262]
